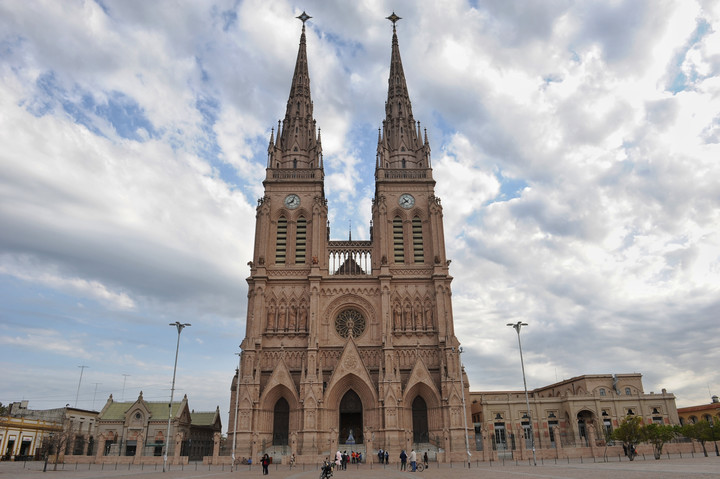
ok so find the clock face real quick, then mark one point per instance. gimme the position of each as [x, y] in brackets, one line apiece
[406, 201]
[292, 201]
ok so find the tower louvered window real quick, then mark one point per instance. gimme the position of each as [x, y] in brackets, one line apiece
[418, 254]
[398, 243]
[300, 240]
[281, 241]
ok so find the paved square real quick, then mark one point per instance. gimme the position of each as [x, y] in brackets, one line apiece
[694, 468]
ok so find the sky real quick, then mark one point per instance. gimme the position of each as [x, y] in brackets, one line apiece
[575, 145]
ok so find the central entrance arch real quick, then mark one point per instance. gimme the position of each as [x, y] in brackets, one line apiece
[281, 422]
[351, 419]
[420, 420]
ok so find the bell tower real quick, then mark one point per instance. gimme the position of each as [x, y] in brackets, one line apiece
[349, 345]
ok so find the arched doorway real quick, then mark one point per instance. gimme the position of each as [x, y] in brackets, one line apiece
[351, 419]
[584, 421]
[281, 422]
[420, 420]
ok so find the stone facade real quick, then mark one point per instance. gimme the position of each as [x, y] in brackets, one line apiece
[575, 413]
[349, 345]
[63, 431]
[139, 429]
[705, 412]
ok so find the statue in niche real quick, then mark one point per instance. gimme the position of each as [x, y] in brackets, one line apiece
[271, 318]
[428, 317]
[302, 322]
[418, 319]
[282, 319]
[408, 318]
[351, 438]
[293, 318]
[397, 318]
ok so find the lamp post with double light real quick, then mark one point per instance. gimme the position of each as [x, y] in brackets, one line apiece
[180, 326]
[517, 327]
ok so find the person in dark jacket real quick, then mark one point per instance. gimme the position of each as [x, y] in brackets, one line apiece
[403, 460]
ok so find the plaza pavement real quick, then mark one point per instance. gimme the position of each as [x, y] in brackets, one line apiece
[693, 468]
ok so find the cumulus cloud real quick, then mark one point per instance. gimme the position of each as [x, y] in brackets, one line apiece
[574, 146]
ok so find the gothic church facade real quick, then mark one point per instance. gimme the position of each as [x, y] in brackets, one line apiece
[349, 345]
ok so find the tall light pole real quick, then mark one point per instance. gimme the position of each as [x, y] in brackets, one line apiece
[180, 326]
[517, 326]
[462, 395]
[125, 376]
[82, 369]
[237, 397]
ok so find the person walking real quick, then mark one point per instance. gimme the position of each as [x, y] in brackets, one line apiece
[413, 460]
[425, 460]
[265, 463]
[403, 460]
[387, 457]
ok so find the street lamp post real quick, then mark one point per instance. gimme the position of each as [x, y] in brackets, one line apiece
[462, 394]
[77, 395]
[237, 394]
[517, 326]
[180, 326]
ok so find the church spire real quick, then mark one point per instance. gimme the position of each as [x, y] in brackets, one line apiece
[400, 145]
[297, 145]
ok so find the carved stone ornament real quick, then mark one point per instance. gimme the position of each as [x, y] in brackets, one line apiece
[350, 322]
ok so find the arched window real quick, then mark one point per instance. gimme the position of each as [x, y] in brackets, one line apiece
[403, 162]
[418, 254]
[398, 242]
[281, 240]
[300, 240]
[294, 162]
[628, 392]
[602, 391]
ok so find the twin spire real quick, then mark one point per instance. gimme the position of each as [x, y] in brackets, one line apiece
[298, 145]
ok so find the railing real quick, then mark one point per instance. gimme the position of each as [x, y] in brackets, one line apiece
[403, 174]
[350, 257]
[293, 174]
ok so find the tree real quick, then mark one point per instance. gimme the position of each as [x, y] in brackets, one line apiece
[629, 432]
[57, 442]
[3, 410]
[658, 435]
[703, 431]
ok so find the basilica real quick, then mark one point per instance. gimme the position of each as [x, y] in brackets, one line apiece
[349, 344]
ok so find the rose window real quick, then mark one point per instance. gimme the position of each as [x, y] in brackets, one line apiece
[350, 322]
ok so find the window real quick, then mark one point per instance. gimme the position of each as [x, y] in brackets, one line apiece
[607, 426]
[281, 240]
[398, 243]
[403, 162]
[527, 433]
[551, 427]
[300, 240]
[628, 392]
[500, 436]
[602, 391]
[418, 256]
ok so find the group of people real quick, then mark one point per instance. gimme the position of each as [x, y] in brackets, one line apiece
[404, 458]
[343, 458]
[383, 456]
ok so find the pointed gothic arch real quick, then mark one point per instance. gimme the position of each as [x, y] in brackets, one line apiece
[281, 422]
[421, 431]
